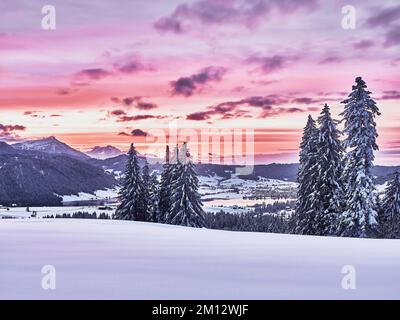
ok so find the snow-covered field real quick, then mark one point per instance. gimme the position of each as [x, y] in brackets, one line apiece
[130, 260]
[20, 212]
[98, 195]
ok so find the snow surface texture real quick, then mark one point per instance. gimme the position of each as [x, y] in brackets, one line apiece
[97, 259]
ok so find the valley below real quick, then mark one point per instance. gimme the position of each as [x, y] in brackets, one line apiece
[47, 177]
[233, 195]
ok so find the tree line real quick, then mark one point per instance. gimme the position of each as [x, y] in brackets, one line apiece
[336, 192]
[174, 199]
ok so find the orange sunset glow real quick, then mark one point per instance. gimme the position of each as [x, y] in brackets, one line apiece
[104, 73]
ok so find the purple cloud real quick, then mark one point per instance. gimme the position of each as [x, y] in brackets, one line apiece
[141, 105]
[393, 152]
[29, 113]
[64, 92]
[137, 102]
[199, 116]
[139, 133]
[34, 114]
[94, 74]
[187, 86]
[384, 17]
[215, 12]
[169, 24]
[135, 133]
[132, 65]
[363, 44]
[128, 101]
[39, 114]
[10, 127]
[139, 117]
[331, 59]
[118, 112]
[390, 95]
[392, 37]
[122, 116]
[270, 64]
[269, 106]
[120, 65]
[304, 100]
[8, 132]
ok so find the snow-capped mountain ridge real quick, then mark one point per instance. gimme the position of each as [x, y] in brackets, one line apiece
[106, 152]
[50, 145]
[30, 177]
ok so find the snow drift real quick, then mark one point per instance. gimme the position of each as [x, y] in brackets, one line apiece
[97, 259]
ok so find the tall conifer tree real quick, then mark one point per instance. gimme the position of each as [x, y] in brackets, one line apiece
[359, 218]
[329, 186]
[154, 197]
[131, 206]
[145, 196]
[303, 220]
[186, 207]
[164, 204]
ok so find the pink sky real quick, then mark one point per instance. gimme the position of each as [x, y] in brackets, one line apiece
[114, 67]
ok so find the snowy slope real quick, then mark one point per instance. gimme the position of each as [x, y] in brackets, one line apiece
[130, 260]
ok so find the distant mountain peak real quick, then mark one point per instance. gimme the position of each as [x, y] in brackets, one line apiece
[50, 145]
[106, 152]
[108, 147]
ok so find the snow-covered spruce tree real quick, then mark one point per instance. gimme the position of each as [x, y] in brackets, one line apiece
[131, 207]
[391, 208]
[164, 204]
[359, 218]
[154, 197]
[186, 207]
[380, 218]
[145, 195]
[329, 189]
[303, 219]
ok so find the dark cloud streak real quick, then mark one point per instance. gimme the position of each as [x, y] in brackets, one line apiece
[268, 105]
[135, 133]
[187, 86]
